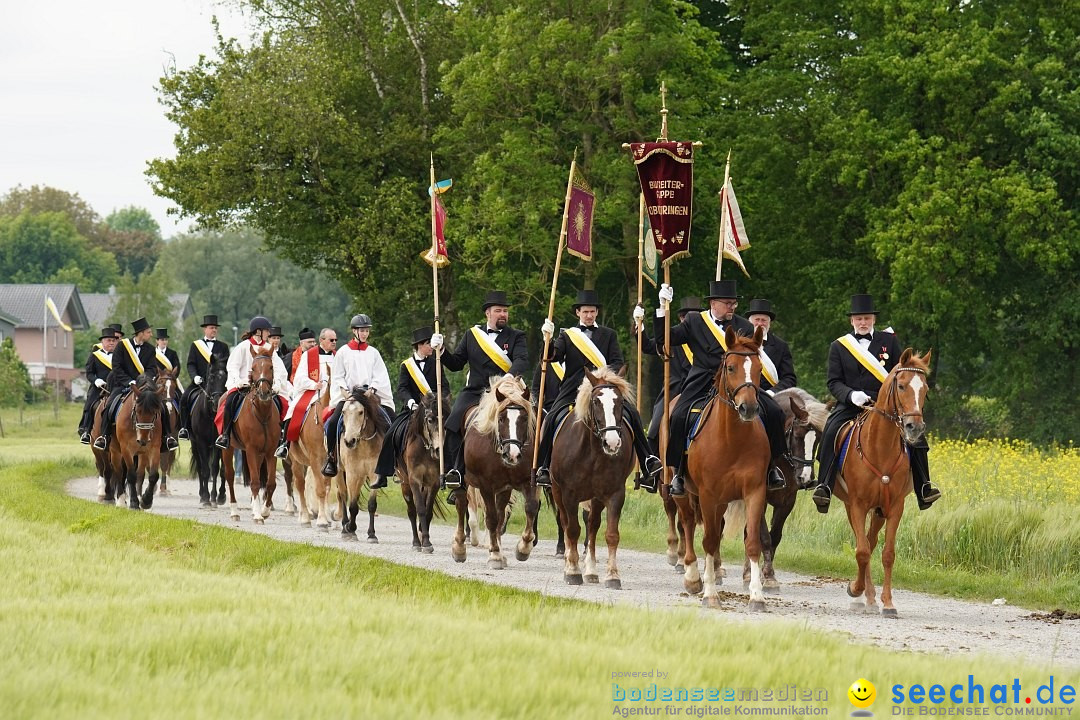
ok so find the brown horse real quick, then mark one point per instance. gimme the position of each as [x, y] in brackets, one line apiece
[170, 394]
[728, 461]
[498, 439]
[136, 448]
[256, 432]
[418, 468]
[306, 458]
[875, 474]
[592, 456]
[364, 425]
[101, 457]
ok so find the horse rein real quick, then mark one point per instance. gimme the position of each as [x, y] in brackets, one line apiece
[730, 399]
[789, 437]
[269, 381]
[595, 426]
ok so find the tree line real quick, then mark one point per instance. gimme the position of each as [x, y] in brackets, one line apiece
[925, 152]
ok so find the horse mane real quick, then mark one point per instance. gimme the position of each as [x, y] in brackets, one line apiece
[486, 417]
[148, 398]
[372, 407]
[606, 376]
[818, 410]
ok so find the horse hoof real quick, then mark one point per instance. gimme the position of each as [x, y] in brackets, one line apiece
[459, 557]
[323, 528]
[680, 568]
[673, 560]
[496, 565]
[372, 540]
[771, 585]
[348, 536]
[147, 504]
[572, 579]
[306, 524]
[721, 572]
[852, 593]
[205, 504]
[694, 587]
[756, 606]
[613, 584]
[889, 613]
[416, 546]
[711, 602]
[428, 549]
[857, 606]
[521, 557]
[258, 521]
[592, 579]
[560, 555]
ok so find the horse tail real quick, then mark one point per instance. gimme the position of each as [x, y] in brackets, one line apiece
[551, 502]
[734, 520]
[438, 507]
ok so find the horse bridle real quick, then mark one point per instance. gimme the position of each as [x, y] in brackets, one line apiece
[269, 381]
[595, 426]
[730, 399]
[500, 444]
[789, 437]
[896, 417]
[375, 427]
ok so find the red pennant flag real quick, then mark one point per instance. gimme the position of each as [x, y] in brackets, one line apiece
[666, 173]
[579, 227]
[440, 237]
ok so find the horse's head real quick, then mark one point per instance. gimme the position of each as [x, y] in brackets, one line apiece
[166, 384]
[363, 418]
[513, 420]
[145, 409]
[427, 419]
[799, 434]
[905, 398]
[740, 373]
[599, 404]
[216, 377]
[262, 371]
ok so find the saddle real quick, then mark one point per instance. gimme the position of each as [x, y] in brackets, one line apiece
[559, 419]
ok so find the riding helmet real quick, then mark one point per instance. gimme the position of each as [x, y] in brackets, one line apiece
[259, 323]
[360, 321]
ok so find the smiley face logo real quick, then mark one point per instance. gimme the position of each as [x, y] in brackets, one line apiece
[862, 693]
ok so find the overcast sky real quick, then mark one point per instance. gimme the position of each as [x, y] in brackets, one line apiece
[78, 108]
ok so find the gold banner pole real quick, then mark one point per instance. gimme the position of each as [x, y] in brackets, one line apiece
[723, 216]
[640, 280]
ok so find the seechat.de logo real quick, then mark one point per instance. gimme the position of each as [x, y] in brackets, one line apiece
[862, 694]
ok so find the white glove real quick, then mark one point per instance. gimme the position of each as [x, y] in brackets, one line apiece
[131, 382]
[436, 341]
[276, 387]
[245, 384]
[770, 393]
[639, 314]
[197, 379]
[548, 328]
[100, 383]
[858, 398]
[411, 404]
[666, 294]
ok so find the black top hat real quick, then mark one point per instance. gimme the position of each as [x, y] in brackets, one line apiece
[117, 329]
[107, 332]
[722, 290]
[422, 335]
[306, 334]
[139, 325]
[163, 333]
[862, 305]
[689, 304]
[760, 306]
[495, 297]
[209, 320]
[587, 297]
[275, 331]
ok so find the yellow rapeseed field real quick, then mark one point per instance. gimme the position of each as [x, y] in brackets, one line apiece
[979, 470]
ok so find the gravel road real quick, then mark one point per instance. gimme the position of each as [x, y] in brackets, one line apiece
[926, 623]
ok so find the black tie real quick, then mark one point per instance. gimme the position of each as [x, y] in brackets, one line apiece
[859, 336]
[491, 332]
[587, 330]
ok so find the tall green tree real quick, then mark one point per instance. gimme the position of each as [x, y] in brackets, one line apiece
[14, 376]
[133, 236]
[46, 247]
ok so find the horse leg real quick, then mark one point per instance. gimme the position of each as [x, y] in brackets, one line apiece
[228, 461]
[372, 509]
[780, 514]
[493, 513]
[472, 530]
[408, 492]
[592, 526]
[217, 474]
[614, 512]
[755, 518]
[290, 479]
[572, 529]
[857, 519]
[427, 509]
[532, 511]
[269, 478]
[888, 556]
[671, 510]
[876, 523]
[147, 499]
[299, 479]
[322, 490]
[691, 576]
[457, 545]
[132, 483]
[712, 530]
[766, 546]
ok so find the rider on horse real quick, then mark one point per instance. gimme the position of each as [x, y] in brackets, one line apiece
[858, 364]
[200, 355]
[134, 358]
[489, 349]
[704, 333]
[239, 378]
[761, 315]
[589, 346]
[356, 364]
[418, 377]
[98, 367]
[312, 370]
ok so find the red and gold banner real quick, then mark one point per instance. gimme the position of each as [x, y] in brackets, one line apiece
[579, 225]
[666, 173]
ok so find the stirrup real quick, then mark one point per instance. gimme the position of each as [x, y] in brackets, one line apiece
[649, 482]
[677, 489]
[282, 451]
[84, 438]
[822, 496]
[452, 479]
[776, 479]
[543, 477]
[222, 441]
[330, 468]
[183, 434]
[380, 482]
[653, 466]
[930, 496]
[170, 444]
[101, 443]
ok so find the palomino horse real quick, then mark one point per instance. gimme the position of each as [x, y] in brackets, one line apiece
[136, 448]
[728, 461]
[306, 457]
[205, 456]
[418, 468]
[592, 455]
[170, 395]
[256, 431]
[878, 477]
[498, 438]
[364, 425]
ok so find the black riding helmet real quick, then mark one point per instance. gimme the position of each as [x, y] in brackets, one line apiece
[360, 321]
[259, 323]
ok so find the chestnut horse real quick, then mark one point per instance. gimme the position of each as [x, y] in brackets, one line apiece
[101, 457]
[498, 439]
[418, 468]
[364, 425]
[136, 448]
[170, 395]
[205, 455]
[728, 461]
[256, 431]
[306, 458]
[592, 455]
[875, 474]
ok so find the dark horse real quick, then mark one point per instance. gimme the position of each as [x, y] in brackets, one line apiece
[728, 461]
[256, 432]
[418, 468]
[498, 438]
[205, 456]
[136, 448]
[170, 395]
[592, 456]
[875, 473]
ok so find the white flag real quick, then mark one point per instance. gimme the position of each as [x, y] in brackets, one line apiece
[732, 231]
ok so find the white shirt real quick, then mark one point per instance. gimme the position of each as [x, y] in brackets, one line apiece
[360, 367]
[302, 381]
[239, 368]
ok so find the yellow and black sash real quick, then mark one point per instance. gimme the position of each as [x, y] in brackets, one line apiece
[490, 349]
[688, 352]
[714, 329]
[417, 375]
[868, 361]
[200, 345]
[587, 347]
[768, 369]
[134, 355]
[104, 358]
[560, 370]
[163, 359]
